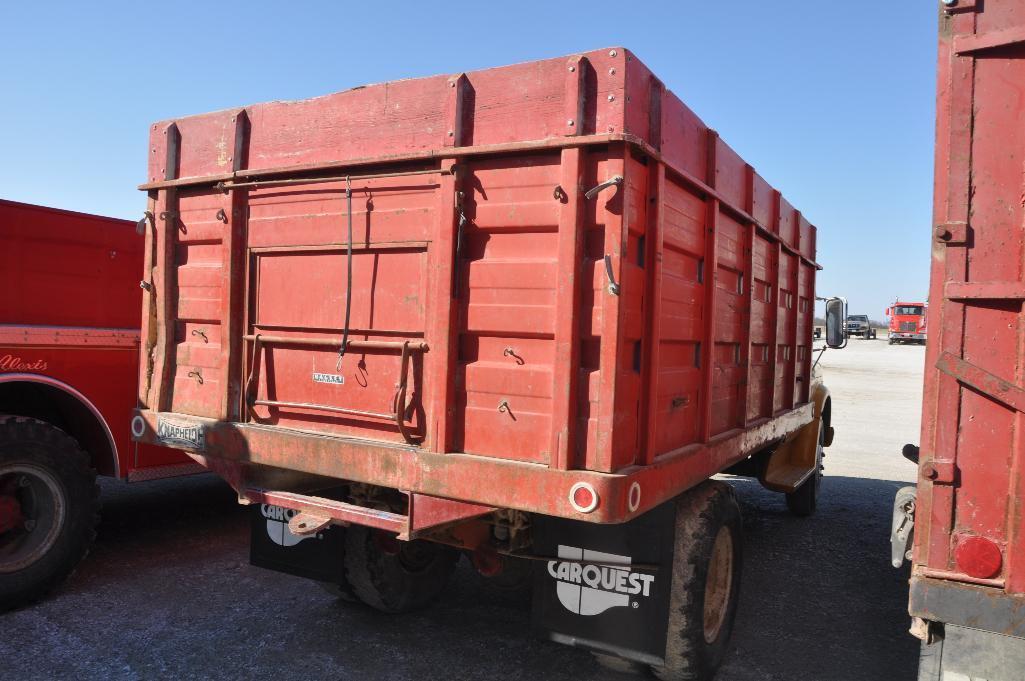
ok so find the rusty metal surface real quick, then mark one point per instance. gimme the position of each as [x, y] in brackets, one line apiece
[486, 481]
[971, 481]
[589, 285]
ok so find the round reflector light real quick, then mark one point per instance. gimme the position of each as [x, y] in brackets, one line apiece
[583, 497]
[138, 426]
[633, 498]
[978, 557]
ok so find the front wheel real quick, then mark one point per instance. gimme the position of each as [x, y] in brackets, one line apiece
[49, 505]
[707, 560]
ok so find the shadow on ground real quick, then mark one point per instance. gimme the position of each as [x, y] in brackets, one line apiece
[168, 593]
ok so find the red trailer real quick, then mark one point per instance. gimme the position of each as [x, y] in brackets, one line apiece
[69, 346]
[527, 312]
[968, 557]
[907, 322]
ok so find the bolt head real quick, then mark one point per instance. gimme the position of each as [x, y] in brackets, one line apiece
[451, 133]
[612, 53]
[612, 98]
[612, 71]
[572, 68]
[569, 122]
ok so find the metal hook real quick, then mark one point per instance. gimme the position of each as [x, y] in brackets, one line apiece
[614, 181]
[222, 216]
[613, 286]
[196, 375]
[510, 352]
[201, 334]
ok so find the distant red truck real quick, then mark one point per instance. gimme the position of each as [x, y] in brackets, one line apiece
[69, 344]
[907, 322]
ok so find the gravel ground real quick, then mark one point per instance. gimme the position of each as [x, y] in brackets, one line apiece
[168, 593]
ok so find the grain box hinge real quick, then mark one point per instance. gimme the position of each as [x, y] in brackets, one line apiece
[960, 6]
[952, 233]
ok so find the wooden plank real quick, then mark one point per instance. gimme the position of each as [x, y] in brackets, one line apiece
[165, 275]
[749, 275]
[776, 291]
[442, 331]
[566, 367]
[711, 275]
[653, 263]
[232, 281]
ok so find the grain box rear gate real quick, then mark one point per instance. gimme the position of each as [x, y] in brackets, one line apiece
[464, 308]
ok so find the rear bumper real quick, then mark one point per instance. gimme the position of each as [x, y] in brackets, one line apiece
[907, 336]
[979, 607]
[248, 455]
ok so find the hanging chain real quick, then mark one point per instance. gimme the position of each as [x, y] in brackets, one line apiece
[348, 286]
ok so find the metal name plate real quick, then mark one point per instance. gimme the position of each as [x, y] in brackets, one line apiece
[336, 379]
[185, 435]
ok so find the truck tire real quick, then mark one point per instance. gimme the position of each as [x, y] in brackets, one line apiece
[395, 576]
[707, 562]
[49, 507]
[805, 499]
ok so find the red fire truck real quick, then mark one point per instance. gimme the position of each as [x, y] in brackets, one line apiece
[907, 322]
[968, 512]
[69, 345]
[525, 313]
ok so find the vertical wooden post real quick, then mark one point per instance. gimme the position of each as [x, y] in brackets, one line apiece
[165, 275]
[233, 250]
[443, 315]
[776, 300]
[792, 319]
[749, 278]
[566, 369]
[711, 276]
[653, 264]
[653, 233]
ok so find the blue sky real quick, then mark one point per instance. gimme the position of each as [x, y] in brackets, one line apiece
[832, 102]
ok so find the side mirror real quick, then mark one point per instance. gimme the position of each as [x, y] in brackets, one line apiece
[836, 313]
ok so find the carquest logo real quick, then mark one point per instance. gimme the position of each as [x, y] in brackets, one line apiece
[277, 525]
[595, 581]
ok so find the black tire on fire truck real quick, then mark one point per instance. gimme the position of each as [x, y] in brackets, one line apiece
[49, 507]
[805, 499]
[395, 576]
[707, 562]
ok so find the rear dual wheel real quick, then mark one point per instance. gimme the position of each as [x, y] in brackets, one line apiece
[390, 575]
[707, 561]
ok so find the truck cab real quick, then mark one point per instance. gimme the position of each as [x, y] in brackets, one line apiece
[907, 322]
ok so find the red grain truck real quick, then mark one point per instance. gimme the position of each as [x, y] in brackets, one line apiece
[968, 557]
[69, 346]
[525, 313]
[906, 322]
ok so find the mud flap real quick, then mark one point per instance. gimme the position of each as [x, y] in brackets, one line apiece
[273, 546]
[606, 587]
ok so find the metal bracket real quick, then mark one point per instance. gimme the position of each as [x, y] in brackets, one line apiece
[988, 384]
[146, 219]
[952, 233]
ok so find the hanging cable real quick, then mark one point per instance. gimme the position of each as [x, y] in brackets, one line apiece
[348, 264]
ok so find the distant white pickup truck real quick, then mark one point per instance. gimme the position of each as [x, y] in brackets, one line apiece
[858, 325]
